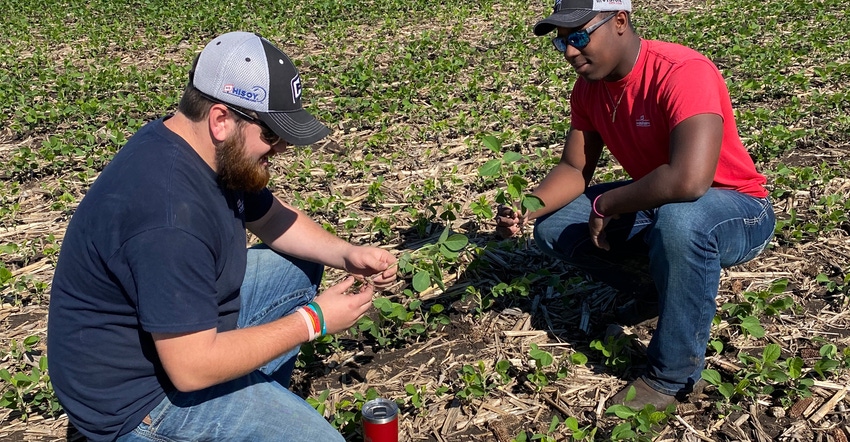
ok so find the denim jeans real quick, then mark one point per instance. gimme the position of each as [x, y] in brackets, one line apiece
[256, 407]
[686, 245]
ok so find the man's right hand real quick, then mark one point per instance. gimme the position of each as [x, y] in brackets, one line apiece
[508, 222]
[200, 359]
[342, 309]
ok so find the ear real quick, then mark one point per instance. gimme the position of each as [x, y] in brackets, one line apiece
[220, 125]
[621, 21]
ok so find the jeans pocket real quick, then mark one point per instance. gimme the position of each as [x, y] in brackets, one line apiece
[149, 428]
[765, 222]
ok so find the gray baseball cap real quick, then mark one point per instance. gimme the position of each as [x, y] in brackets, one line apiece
[247, 71]
[574, 13]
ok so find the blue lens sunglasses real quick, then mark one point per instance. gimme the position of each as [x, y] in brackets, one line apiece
[578, 39]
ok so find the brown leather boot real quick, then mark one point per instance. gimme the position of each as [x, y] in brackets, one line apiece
[644, 394]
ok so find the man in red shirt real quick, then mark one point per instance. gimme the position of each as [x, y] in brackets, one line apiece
[694, 204]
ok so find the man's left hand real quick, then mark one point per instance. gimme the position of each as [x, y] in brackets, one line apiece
[372, 263]
[597, 225]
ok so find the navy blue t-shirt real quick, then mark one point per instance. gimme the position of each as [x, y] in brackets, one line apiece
[156, 245]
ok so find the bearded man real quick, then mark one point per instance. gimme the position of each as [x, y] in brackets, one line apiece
[163, 325]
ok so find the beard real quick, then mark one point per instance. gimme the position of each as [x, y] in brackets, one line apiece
[236, 170]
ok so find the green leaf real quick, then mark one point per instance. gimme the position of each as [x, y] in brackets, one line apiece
[421, 281]
[543, 358]
[9, 400]
[726, 389]
[456, 242]
[631, 393]
[382, 304]
[29, 341]
[656, 417]
[492, 143]
[777, 376]
[513, 191]
[517, 182]
[490, 168]
[5, 274]
[448, 253]
[511, 157]
[711, 376]
[717, 345]
[752, 326]
[531, 203]
[828, 350]
[8, 248]
[771, 353]
[554, 424]
[501, 198]
[444, 235]
[623, 431]
[779, 286]
[621, 411]
[795, 367]
[578, 358]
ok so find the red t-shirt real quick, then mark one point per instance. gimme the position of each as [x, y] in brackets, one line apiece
[668, 84]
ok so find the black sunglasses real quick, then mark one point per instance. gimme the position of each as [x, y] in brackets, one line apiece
[578, 39]
[266, 133]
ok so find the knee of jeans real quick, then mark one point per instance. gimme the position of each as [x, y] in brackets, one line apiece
[674, 228]
[755, 251]
[566, 243]
[268, 259]
[545, 238]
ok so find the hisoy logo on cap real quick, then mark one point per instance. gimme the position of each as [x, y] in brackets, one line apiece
[256, 94]
[295, 83]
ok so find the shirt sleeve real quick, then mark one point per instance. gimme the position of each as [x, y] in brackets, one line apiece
[692, 89]
[579, 118]
[171, 278]
[257, 204]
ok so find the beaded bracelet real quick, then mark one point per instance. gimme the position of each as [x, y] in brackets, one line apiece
[593, 206]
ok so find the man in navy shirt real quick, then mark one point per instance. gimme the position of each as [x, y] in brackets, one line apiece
[162, 324]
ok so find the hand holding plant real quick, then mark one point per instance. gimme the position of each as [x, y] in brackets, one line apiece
[509, 222]
[510, 217]
[376, 265]
[341, 309]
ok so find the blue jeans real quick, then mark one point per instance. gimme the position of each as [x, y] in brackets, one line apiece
[686, 244]
[256, 407]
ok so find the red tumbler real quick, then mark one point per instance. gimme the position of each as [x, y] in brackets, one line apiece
[380, 421]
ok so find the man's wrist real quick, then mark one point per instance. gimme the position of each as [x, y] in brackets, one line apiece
[314, 320]
[594, 206]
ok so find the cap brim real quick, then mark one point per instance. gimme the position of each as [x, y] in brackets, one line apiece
[298, 128]
[565, 18]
